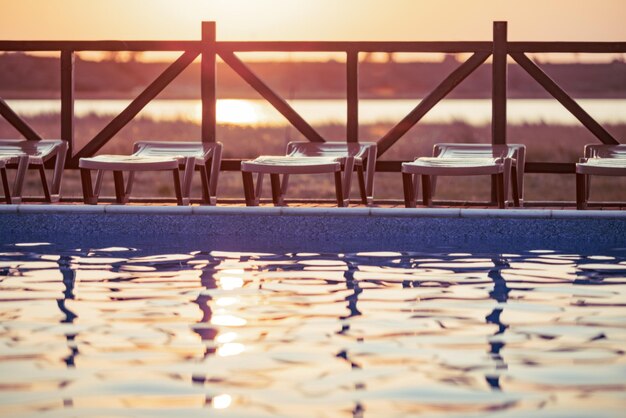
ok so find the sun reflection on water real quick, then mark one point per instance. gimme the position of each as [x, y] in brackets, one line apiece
[230, 349]
[222, 401]
[228, 321]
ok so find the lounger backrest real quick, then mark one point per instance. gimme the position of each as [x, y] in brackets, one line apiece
[605, 151]
[200, 150]
[329, 149]
[41, 148]
[451, 150]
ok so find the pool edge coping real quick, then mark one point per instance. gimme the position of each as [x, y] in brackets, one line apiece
[305, 211]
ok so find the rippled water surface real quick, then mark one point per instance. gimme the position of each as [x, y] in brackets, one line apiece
[127, 332]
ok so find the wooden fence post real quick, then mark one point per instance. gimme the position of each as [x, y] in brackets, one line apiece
[499, 82]
[67, 99]
[352, 72]
[208, 82]
[498, 90]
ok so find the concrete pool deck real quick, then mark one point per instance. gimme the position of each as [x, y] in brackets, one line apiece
[312, 228]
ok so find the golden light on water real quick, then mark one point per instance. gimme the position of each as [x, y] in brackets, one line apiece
[227, 337]
[231, 349]
[233, 111]
[230, 279]
[226, 301]
[228, 321]
[231, 282]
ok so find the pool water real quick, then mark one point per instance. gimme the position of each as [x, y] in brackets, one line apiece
[136, 333]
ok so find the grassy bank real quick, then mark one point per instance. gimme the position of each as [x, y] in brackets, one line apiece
[556, 143]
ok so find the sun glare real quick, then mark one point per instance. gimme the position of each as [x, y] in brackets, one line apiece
[222, 401]
[231, 349]
[236, 111]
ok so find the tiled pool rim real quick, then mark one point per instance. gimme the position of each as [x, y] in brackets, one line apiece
[312, 229]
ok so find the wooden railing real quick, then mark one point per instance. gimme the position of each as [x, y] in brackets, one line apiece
[209, 49]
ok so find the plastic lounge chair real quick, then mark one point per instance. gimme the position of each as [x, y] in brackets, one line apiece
[599, 160]
[504, 162]
[38, 153]
[156, 156]
[313, 158]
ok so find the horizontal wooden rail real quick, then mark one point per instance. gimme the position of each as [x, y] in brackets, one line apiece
[354, 46]
[549, 168]
[106, 46]
[568, 47]
[394, 166]
[313, 46]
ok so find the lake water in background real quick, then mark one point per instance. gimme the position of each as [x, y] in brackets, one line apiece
[317, 112]
[124, 332]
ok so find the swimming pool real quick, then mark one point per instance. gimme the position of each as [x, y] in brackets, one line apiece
[185, 326]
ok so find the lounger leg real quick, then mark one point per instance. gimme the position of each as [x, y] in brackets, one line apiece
[277, 197]
[370, 170]
[259, 186]
[416, 186]
[213, 177]
[120, 191]
[205, 177]
[44, 183]
[581, 191]
[88, 195]
[409, 190]
[22, 166]
[284, 184]
[98, 185]
[189, 166]
[500, 189]
[362, 189]
[129, 183]
[178, 187]
[508, 173]
[57, 174]
[348, 169]
[339, 190]
[248, 189]
[514, 184]
[5, 185]
[426, 192]
[433, 185]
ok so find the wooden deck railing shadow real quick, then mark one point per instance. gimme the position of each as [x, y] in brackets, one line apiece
[209, 49]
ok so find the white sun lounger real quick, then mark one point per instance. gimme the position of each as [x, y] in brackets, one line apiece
[13, 151]
[156, 156]
[504, 162]
[313, 158]
[599, 160]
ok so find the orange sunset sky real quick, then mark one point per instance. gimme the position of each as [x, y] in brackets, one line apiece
[567, 20]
